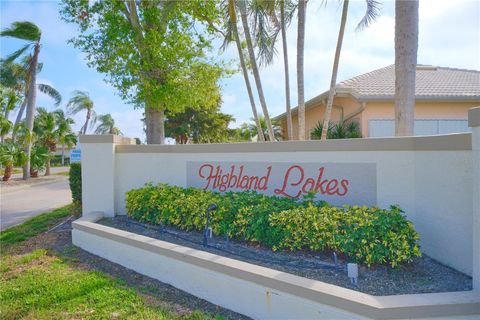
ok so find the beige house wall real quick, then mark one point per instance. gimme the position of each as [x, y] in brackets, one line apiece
[378, 110]
[423, 110]
[342, 107]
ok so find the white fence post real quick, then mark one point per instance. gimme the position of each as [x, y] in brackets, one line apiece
[98, 172]
[474, 123]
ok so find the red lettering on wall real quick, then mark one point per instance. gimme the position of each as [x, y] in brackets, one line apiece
[294, 183]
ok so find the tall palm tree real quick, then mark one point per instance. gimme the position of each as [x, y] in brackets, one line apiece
[28, 31]
[107, 125]
[370, 15]
[232, 32]
[81, 101]
[406, 47]
[283, 25]
[242, 5]
[302, 7]
[65, 134]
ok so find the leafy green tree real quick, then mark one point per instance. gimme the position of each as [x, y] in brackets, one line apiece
[151, 52]
[107, 125]
[11, 154]
[81, 101]
[198, 126]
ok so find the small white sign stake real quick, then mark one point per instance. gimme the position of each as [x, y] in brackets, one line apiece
[352, 271]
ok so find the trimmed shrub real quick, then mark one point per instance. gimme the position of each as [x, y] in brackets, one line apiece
[75, 179]
[366, 235]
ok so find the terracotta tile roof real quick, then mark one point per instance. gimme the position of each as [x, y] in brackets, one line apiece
[431, 83]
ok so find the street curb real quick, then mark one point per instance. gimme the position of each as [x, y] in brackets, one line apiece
[5, 190]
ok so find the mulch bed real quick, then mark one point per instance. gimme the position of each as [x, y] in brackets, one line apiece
[59, 241]
[424, 275]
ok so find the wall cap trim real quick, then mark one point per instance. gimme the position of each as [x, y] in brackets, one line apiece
[377, 307]
[449, 142]
[105, 138]
[474, 117]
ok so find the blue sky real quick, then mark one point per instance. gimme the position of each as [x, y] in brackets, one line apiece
[449, 36]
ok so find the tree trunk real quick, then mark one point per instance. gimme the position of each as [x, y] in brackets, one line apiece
[33, 173]
[406, 46]
[287, 75]
[333, 81]
[19, 115]
[233, 19]
[89, 114]
[155, 119]
[253, 62]
[47, 168]
[32, 96]
[302, 4]
[63, 154]
[8, 172]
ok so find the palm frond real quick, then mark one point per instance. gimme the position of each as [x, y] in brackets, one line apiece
[24, 30]
[14, 56]
[371, 14]
[51, 92]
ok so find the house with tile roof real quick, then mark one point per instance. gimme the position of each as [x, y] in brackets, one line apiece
[443, 97]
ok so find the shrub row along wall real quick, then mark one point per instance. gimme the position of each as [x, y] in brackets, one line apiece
[430, 178]
[368, 235]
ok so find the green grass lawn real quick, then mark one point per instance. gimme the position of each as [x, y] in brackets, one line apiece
[34, 226]
[64, 173]
[41, 286]
[44, 285]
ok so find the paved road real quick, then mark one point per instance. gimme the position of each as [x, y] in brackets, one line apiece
[20, 205]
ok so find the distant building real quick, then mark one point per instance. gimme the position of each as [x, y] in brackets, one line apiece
[443, 97]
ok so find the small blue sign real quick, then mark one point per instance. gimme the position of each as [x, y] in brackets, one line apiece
[75, 155]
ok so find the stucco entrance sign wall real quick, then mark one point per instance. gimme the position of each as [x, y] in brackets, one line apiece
[337, 183]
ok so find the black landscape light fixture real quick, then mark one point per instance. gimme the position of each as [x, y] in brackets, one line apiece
[207, 232]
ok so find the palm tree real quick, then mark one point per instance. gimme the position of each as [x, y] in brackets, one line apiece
[28, 31]
[45, 128]
[11, 154]
[370, 15]
[283, 25]
[406, 47]
[253, 62]
[107, 125]
[302, 7]
[65, 134]
[81, 101]
[232, 32]
[276, 129]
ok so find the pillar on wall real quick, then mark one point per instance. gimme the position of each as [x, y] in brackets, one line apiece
[474, 123]
[98, 172]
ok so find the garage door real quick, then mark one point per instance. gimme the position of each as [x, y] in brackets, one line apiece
[386, 127]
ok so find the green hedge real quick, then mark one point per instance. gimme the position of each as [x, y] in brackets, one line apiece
[75, 178]
[368, 235]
